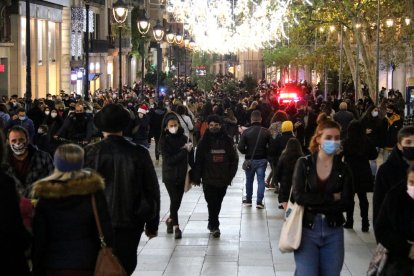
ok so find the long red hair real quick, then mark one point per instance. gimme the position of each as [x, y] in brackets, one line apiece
[314, 145]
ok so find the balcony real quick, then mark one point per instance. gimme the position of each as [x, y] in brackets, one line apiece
[99, 46]
[99, 2]
[125, 42]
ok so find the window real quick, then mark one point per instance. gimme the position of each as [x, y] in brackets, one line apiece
[51, 41]
[40, 37]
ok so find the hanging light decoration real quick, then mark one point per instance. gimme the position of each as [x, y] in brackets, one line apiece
[229, 26]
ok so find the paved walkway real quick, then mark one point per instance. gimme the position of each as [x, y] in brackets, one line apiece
[248, 245]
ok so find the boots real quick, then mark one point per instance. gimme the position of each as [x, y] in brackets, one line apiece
[365, 225]
[177, 232]
[349, 224]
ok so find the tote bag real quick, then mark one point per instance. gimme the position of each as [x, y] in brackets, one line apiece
[291, 233]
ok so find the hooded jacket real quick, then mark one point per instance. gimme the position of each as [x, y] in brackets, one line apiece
[216, 160]
[65, 232]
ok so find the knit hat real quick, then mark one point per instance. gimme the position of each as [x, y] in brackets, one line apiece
[112, 118]
[287, 126]
[143, 109]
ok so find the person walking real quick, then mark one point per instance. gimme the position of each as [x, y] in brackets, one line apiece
[177, 153]
[394, 227]
[322, 184]
[66, 239]
[254, 143]
[357, 151]
[14, 238]
[132, 189]
[344, 118]
[215, 166]
[156, 116]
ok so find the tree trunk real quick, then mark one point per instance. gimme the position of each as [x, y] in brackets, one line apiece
[369, 65]
[350, 57]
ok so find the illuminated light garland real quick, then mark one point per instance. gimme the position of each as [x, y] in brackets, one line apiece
[219, 27]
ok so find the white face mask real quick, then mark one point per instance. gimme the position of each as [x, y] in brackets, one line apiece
[410, 191]
[47, 113]
[18, 148]
[374, 114]
[53, 114]
[173, 130]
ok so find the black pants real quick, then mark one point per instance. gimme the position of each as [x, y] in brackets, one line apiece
[214, 197]
[363, 205]
[125, 246]
[176, 192]
[157, 151]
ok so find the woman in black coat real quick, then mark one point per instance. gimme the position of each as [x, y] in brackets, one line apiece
[54, 122]
[14, 238]
[394, 228]
[177, 153]
[285, 168]
[358, 150]
[66, 238]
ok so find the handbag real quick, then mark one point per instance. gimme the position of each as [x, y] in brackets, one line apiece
[107, 264]
[291, 233]
[378, 261]
[247, 164]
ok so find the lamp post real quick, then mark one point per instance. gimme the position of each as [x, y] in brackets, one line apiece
[178, 40]
[170, 36]
[28, 60]
[158, 32]
[357, 26]
[120, 12]
[186, 44]
[341, 58]
[143, 25]
[86, 49]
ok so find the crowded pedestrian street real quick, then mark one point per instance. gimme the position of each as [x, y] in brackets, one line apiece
[248, 245]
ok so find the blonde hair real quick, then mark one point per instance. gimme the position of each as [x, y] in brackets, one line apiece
[70, 152]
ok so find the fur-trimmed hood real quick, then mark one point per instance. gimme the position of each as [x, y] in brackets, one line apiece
[86, 183]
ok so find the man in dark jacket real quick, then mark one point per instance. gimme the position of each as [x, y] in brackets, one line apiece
[78, 126]
[132, 189]
[254, 143]
[22, 120]
[394, 170]
[156, 116]
[305, 125]
[344, 118]
[27, 163]
[216, 165]
[395, 123]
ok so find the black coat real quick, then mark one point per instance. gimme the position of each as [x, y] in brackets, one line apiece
[391, 134]
[343, 118]
[175, 158]
[64, 228]
[248, 141]
[156, 116]
[14, 238]
[132, 189]
[378, 127]
[395, 223]
[284, 174]
[216, 160]
[305, 131]
[305, 191]
[357, 157]
[277, 145]
[389, 174]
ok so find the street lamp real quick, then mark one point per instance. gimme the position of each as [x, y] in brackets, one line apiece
[186, 43]
[170, 36]
[407, 21]
[389, 22]
[158, 32]
[143, 25]
[86, 45]
[120, 12]
[178, 40]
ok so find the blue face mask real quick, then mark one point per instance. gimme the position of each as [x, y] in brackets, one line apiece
[330, 147]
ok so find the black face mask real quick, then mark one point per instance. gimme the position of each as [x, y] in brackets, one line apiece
[389, 114]
[408, 153]
[214, 130]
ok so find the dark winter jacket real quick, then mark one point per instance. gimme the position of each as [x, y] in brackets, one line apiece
[276, 146]
[40, 165]
[378, 127]
[14, 238]
[394, 225]
[26, 124]
[132, 189]
[216, 160]
[156, 116]
[394, 125]
[390, 173]
[37, 116]
[305, 131]
[343, 118]
[357, 157]
[283, 174]
[305, 191]
[77, 127]
[65, 232]
[248, 141]
[175, 158]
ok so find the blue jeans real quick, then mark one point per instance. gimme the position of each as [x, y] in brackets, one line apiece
[259, 168]
[321, 252]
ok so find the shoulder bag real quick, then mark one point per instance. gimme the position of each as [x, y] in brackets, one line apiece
[107, 264]
[247, 164]
[291, 233]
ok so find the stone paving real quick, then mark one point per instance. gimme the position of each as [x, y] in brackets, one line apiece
[248, 245]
